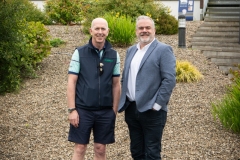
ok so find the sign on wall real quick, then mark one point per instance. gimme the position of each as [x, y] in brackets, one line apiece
[186, 8]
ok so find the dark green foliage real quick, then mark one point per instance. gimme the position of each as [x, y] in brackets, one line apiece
[133, 9]
[19, 44]
[10, 49]
[56, 42]
[64, 11]
[166, 24]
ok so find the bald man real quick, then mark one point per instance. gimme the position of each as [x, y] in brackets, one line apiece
[93, 92]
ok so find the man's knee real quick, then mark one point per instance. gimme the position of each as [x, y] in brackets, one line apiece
[80, 149]
[100, 149]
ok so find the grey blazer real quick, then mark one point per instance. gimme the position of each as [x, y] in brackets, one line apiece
[155, 79]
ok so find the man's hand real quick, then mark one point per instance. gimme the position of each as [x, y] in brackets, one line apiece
[115, 110]
[73, 118]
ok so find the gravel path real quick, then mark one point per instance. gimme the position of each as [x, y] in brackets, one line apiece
[33, 123]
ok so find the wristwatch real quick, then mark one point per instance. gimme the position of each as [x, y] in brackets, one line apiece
[71, 109]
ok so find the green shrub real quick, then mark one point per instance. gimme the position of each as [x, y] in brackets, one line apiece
[186, 72]
[37, 39]
[21, 45]
[227, 110]
[56, 42]
[122, 30]
[10, 45]
[64, 11]
[133, 9]
[166, 24]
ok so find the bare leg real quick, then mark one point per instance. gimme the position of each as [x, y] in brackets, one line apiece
[79, 151]
[99, 151]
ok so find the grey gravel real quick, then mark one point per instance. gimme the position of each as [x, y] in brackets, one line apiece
[34, 125]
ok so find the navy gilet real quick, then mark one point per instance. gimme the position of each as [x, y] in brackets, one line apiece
[94, 91]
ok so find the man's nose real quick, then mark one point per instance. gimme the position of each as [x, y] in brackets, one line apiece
[144, 29]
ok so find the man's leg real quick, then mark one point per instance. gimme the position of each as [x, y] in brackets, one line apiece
[99, 151]
[80, 135]
[153, 123]
[103, 132]
[135, 132]
[79, 151]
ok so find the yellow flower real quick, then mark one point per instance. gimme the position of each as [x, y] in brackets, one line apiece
[149, 15]
[117, 14]
[169, 10]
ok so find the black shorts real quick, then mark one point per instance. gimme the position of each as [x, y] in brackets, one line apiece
[102, 123]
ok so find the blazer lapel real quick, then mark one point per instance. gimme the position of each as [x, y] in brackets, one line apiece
[149, 51]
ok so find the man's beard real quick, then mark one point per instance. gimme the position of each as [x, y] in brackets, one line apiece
[145, 40]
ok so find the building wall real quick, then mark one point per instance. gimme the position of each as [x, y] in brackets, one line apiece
[173, 5]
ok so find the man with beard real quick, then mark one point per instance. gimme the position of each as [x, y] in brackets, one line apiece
[148, 80]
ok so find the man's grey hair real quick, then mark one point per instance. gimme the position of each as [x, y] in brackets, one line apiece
[145, 17]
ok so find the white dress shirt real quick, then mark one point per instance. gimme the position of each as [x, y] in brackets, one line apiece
[133, 70]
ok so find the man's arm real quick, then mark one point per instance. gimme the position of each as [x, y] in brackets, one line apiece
[168, 74]
[116, 90]
[71, 90]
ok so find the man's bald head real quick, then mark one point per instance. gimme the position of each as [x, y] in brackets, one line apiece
[99, 20]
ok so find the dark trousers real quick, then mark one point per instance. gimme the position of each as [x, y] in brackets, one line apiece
[145, 129]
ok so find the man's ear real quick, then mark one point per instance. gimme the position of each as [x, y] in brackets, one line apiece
[90, 31]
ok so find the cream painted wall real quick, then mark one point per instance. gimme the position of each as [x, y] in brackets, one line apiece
[173, 5]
